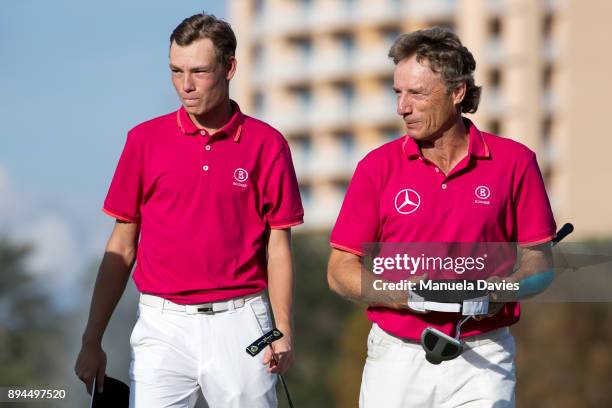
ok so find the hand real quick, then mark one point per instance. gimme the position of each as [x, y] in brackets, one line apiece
[416, 280]
[282, 359]
[496, 302]
[91, 363]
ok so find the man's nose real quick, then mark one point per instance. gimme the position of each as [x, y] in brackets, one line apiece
[404, 105]
[188, 84]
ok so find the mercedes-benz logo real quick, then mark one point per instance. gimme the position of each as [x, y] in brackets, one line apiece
[407, 201]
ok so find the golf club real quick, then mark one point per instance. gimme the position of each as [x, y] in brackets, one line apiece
[440, 347]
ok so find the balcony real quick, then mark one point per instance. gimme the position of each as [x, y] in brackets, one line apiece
[375, 111]
[494, 51]
[430, 9]
[493, 101]
[373, 60]
[294, 18]
[319, 216]
[385, 11]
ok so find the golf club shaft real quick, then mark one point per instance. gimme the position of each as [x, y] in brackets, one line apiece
[285, 388]
[286, 391]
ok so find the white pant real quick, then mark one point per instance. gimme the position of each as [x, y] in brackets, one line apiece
[396, 374]
[175, 354]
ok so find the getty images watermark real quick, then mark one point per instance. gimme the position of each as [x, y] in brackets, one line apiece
[438, 265]
[582, 271]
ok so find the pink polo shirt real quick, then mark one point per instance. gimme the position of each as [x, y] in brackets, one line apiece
[206, 204]
[495, 194]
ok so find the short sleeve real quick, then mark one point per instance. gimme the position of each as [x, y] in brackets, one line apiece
[358, 222]
[534, 221]
[281, 195]
[125, 193]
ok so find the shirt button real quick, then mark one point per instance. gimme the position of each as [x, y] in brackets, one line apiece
[443, 186]
[437, 170]
[205, 167]
[207, 147]
[203, 132]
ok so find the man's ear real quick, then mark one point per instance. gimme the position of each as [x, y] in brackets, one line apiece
[459, 93]
[231, 68]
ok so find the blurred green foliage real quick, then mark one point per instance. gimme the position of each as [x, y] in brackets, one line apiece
[564, 350]
[32, 336]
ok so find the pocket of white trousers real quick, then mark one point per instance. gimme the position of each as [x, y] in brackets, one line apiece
[377, 346]
[135, 336]
[260, 313]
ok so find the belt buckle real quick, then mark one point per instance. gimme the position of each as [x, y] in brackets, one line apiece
[206, 308]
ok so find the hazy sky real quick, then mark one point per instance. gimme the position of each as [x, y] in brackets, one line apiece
[75, 76]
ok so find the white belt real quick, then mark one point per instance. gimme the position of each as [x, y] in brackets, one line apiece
[200, 308]
[475, 306]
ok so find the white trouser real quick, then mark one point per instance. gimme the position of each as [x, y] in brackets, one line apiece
[396, 373]
[175, 354]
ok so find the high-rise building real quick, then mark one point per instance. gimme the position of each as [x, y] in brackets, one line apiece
[318, 71]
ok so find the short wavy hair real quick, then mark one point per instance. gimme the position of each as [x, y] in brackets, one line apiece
[445, 54]
[200, 26]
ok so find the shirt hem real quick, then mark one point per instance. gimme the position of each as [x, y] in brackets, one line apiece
[346, 249]
[536, 241]
[119, 217]
[287, 224]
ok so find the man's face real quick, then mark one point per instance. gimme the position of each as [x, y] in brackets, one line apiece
[423, 100]
[201, 82]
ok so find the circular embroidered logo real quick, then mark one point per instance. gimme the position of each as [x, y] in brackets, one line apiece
[407, 201]
[482, 192]
[241, 175]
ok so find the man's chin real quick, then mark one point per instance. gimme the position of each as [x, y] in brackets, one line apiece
[194, 110]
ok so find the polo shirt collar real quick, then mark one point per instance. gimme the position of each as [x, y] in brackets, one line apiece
[233, 128]
[477, 146]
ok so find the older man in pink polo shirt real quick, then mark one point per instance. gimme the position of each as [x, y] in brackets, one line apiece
[204, 199]
[444, 181]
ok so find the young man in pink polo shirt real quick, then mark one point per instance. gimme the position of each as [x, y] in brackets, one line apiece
[444, 181]
[204, 199]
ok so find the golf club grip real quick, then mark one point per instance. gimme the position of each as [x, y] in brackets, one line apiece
[565, 230]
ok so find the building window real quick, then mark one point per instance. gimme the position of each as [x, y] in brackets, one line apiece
[303, 144]
[390, 133]
[495, 27]
[389, 92]
[446, 24]
[495, 78]
[390, 35]
[258, 56]
[304, 97]
[303, 46]
[341, 186]
[259, 102]
[346, 140]
[548, 149]
[347, 91]
[547, 77]
[547, 25]
[258, 7]
[495, 127]
[347, 42]
[306, 193]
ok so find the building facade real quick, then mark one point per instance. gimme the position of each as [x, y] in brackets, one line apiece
[318, 71]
